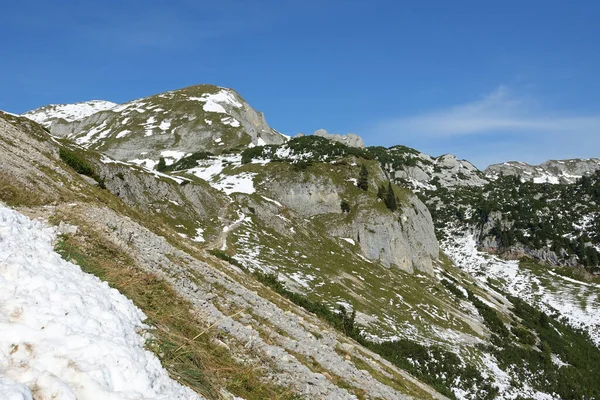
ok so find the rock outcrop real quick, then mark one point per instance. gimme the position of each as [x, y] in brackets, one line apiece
[421, 171]
[407, 242]
[405, 239]
[351, 139]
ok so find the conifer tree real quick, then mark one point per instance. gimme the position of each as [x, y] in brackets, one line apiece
[390, 198]
[381, 192]
[363, 178]
[162, 165]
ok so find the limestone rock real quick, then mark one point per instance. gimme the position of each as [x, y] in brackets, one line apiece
[350, 139]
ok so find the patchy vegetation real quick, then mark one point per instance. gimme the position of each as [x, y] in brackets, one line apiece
[79, 164]
[561, 218]
[199, 363]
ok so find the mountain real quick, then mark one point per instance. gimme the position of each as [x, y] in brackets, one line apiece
[129, 230]
[169, 125]
[552, 171]
[272, 267]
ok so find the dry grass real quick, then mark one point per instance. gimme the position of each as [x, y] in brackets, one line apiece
[14, 193]
[184, 344]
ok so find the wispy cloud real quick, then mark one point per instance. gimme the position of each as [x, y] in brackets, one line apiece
[498, 111]
[500, 126]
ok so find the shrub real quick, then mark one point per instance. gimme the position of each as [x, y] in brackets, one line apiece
[363, 178]
[345, 206]
[250, 153]
[75, 161]
[188, 162]
[162, 165]
[390, 198]
[453, 288]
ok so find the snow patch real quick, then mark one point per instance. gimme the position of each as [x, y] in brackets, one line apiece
[164, 125]
[272, 201]
[172, 156]
[230, 121]
[146, 163]
[242, 183]
[213, 102]
[88, 137]
[199, 235]
[68, 112]
[351, 241]
[65, 333]
[123, 133]
[545, 178]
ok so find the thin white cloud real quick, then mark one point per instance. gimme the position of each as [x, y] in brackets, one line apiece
[497, 112]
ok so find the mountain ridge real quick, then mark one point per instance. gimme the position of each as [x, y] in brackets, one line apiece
[550, 171]
[381, 246]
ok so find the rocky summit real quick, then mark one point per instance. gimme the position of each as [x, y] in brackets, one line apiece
[269, 267]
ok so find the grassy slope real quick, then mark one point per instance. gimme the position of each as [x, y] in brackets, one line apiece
[199, 363]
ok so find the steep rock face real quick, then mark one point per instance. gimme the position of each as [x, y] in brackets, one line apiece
[170, 125]
[405, 238]
[407, 241]
[551, 171]
[194, 210]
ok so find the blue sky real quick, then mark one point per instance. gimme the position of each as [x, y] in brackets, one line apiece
[487, 81]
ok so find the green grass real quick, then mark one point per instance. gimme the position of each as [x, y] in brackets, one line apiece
[79, 163]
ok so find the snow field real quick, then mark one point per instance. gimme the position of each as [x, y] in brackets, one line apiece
[66, 334]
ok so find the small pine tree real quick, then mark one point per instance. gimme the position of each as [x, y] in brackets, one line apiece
[390, 198]
[381, 192]
[345, 206]
[347, 320]
[349, 324]
[162, 165]
[363, 178]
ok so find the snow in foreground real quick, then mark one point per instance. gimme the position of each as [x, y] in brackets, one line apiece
[64, 333]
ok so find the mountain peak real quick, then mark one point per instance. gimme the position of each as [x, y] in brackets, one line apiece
[182, 121]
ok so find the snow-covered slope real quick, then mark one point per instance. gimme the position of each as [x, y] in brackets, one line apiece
[66, 334]
[46, 115]
[574, 301]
